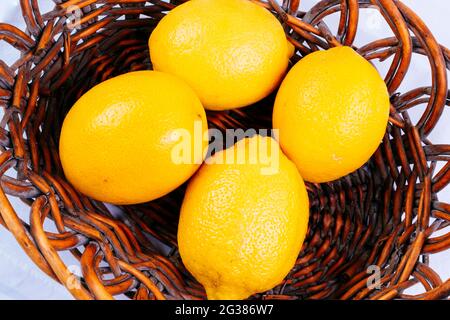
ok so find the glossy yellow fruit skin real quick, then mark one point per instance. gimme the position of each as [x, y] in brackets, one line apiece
[231, 52]
[240, 231]
[116, 141]
[331, 111]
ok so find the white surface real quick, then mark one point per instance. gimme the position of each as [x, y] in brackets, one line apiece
[21, 279]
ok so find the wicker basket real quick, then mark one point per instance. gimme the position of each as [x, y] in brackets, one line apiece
[384, 215]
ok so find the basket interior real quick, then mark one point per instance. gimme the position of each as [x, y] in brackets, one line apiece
[384, 214]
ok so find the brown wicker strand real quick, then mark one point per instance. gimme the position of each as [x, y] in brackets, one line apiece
[385, 214]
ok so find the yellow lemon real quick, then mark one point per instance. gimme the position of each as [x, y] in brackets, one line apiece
[241, 228]
[331, 111]
[291, 49]
[117, 141]
[231, 52]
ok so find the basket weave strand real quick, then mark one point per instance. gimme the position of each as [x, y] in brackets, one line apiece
[386, 214]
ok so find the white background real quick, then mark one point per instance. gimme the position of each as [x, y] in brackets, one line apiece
[20, 279]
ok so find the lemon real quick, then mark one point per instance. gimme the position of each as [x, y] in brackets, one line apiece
[231, 52]
[116, 141]
[240, 229]
[331, 111]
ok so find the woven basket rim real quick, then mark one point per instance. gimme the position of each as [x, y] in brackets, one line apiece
[385, 214]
